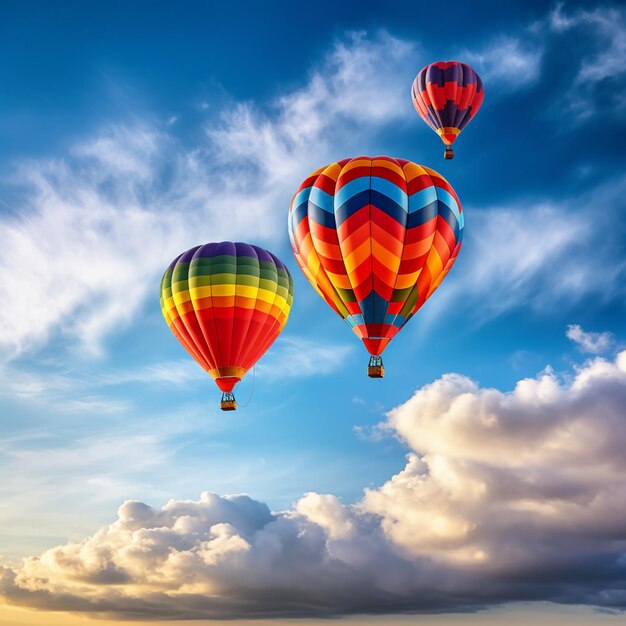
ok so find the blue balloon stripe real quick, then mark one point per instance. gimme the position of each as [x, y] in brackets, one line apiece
[301, 196]
[298, 214]
[450, 202]
[351, 206]
[391, 190]
[423, 215]
[357, 318]
[374, 308]
[422, 198]
[446, 214]
[353, 188]
[391, 208]
[322, 199]
[320, 216]
[375, 198]
[350, 321]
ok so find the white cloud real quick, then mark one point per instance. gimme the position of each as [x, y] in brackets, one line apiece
[607, 28]
[588, 341]
[87, 247]
[94, 230]
[58, 471]
[53, 389]
[170, 372]
[506, 63]
[290, 357]
[597, 57]
[608, 23]
[505, 496]
[536, 254]
[297, 357]
[511, 249]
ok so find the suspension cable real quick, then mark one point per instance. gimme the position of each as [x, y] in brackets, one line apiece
[243, 406]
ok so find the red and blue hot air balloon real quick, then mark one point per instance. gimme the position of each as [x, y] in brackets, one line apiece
[375, 237]
[447, 95]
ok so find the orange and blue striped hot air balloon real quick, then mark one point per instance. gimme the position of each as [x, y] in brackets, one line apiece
[446, 96]
[226, 303]
[375, 237]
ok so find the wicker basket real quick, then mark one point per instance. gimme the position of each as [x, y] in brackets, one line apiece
[376, 371]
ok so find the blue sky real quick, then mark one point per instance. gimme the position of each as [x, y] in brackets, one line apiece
[132, 131]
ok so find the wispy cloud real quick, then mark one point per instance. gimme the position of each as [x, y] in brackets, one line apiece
[605, 27]
[507, 63]
[435, 537]
[537, 254]
[85, 391]
[171, 372]
[57, 391]
[56, 470]
[296, 357]
[595, 343]
[591, 80]
[608, 23]
[92, 231]
[85, 242]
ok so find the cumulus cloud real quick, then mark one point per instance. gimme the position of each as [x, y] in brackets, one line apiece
[595, 343]
[91, 232]
[505, 496]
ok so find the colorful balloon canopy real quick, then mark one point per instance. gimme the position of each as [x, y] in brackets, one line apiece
[226, 303]
[446, 96]
[375, 237]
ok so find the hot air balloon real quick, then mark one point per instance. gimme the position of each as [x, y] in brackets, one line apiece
[375, 237]
[446, 96]
[226, 303]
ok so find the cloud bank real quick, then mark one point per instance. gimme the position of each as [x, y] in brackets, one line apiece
[505, 496]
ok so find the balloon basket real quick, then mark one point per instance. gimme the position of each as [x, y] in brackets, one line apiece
[449, 153]
[228, 402]
[375, 368]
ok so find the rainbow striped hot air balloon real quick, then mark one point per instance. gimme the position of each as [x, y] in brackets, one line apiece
[226, 303]
[375, 237]
[446, 96]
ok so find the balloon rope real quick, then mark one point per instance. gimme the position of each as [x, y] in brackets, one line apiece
[243, 406]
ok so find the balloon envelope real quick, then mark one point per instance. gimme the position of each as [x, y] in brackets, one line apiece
[375, 237]
[226, 303]
[446, 96]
